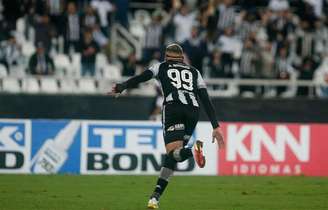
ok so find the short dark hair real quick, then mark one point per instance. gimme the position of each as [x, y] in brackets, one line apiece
[174, 51]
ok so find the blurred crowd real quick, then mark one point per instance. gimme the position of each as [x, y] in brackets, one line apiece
[257, 39]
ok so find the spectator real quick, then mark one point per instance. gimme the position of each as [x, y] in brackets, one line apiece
[306, 72]
[12, 10]
[153, 37]
[55, 8]
[247, 25]
[129, 65]
[122, 7]
[183, 22]
[280, 26]
[228, 45]
[196, 49]
[72, 29]
[215, 66]
[278, 5]
[89, 50]
[90, 18]
[11, 53]
[104, 9]
[267, 61]
[249, 61]
[99, 37]
[40, 62]
[321, 38]
[304, 41]
[43, 31]
[283, 67]
[155, 114]
[317, 6]
[226, 15]
[321, 77]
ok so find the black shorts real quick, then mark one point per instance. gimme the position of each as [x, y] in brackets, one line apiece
[179, 122]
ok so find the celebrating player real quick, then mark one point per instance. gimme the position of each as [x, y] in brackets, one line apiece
[183, 87]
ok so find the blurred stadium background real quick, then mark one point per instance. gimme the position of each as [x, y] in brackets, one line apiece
[265, 63]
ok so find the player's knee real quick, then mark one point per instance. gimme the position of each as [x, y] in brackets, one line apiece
[173, 146]
[169, 162]
[181, 154]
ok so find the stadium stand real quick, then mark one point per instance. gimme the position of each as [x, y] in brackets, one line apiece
[281, 41]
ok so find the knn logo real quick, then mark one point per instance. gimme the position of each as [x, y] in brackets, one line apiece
[260, 138]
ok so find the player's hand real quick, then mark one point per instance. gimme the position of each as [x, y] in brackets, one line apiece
[217, 136]
[117, 89]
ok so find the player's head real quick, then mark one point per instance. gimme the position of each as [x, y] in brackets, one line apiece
[174, 52]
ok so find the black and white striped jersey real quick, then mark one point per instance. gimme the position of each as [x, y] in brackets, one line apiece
[180, 82]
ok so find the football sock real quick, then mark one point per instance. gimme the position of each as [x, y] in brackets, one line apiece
[159, 189]
[162, 182]
[181, 154]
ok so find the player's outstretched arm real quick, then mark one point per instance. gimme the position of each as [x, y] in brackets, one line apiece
[131, 83]
[209, 109]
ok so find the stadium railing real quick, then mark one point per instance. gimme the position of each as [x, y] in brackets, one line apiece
[99, 85]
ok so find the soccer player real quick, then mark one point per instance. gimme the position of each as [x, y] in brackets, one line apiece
[183, 88]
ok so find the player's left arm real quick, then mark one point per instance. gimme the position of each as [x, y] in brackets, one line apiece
[210, 111]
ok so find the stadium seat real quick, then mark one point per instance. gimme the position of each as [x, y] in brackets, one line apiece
[28, 49]
[17, 70]
[49, 85]
[87, 85]
[31, 85]
[104, 85]
[11, 85]
[75, 69]
[112, 72]
[67, 85]
[3, 71]
[62, 64]
[101, 62]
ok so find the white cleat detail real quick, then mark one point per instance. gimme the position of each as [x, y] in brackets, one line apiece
[153, 203]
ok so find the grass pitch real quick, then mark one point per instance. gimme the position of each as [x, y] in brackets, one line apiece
[61, 192]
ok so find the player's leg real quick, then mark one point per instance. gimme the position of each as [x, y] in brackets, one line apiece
[177, 151]
[166, 172]
[173, 137]
[170, 116]
[191, 122]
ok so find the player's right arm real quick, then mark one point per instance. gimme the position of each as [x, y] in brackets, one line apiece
[210, 111]
[132, 82]
[136, 80]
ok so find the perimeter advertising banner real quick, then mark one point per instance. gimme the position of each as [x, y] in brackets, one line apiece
[91, 147]
[136, 147]
[274, 149]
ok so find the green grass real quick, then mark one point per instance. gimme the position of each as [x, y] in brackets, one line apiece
[27, 192]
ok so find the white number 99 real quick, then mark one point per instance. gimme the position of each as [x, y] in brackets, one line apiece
[177, 78]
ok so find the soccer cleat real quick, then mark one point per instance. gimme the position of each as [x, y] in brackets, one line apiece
[153, 203]
[198, 154]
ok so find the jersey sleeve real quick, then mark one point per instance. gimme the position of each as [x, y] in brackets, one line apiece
[134, 81]
[155, 69]
[200, 81]
[208, 106]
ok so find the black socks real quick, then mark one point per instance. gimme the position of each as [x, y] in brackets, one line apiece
[169, 165]
[160, 187]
